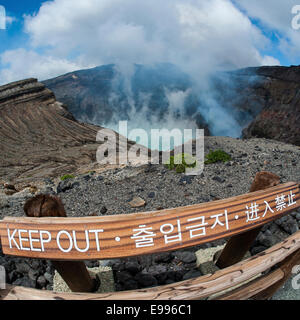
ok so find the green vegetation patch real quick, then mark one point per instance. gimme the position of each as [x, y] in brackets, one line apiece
[67, 176]
[217, 156]
[181, 162]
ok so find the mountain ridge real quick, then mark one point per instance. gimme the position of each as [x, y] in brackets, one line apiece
[245, 96]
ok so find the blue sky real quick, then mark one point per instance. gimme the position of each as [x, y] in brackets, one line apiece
[274, 50]
[66, 35]
[14, 37]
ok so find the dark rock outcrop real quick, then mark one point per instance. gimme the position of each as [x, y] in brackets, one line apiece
[279, 118]
[24, 91]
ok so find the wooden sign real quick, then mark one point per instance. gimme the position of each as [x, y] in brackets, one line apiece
[117, 236]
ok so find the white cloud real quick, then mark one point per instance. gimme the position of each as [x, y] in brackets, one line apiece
[270, 61]
[276, 15]
[21, 64]
[191, 33]
[198, 35]
[10, 20]
[273, 13]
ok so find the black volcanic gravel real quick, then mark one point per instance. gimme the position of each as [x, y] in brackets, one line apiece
[111, 192]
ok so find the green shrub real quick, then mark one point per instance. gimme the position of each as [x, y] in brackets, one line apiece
[217, 156]
[67, 176]
[180, 162]
[180, 168]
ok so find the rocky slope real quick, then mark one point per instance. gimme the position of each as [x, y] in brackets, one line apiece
[280, 115]
[39, 137]
[112, 191]
[40, 140]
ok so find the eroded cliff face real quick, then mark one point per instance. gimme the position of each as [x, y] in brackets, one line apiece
[279, 118]
[38, 136]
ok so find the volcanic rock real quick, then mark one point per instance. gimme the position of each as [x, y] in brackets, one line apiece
[39, 137]
[137, 202]
[279, 118]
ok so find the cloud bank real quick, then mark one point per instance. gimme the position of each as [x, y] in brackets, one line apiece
[199, 36]
[276, 18]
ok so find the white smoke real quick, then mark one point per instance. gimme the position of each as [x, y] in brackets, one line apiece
[139, 113]
[199, 36]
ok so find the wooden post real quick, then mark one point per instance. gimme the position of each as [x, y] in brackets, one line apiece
[238, 245]
[74, 273]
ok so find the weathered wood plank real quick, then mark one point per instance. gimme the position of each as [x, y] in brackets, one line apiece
[191, 289]
[254, 287]
[286, 267]
[118, 236]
